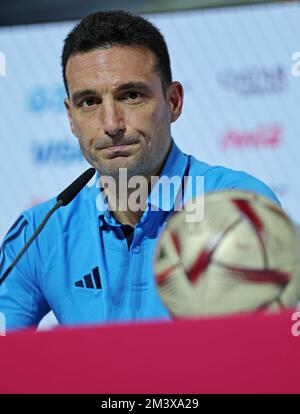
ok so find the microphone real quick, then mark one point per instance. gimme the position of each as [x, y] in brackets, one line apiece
[63, 199]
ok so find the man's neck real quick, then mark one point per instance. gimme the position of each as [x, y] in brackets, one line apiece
[130, 218]
[128, 215]
[120, 203]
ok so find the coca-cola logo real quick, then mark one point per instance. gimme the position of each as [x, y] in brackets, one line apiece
[254, 80]
[264, 136]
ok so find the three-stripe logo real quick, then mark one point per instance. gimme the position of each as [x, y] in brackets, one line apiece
[91, 280]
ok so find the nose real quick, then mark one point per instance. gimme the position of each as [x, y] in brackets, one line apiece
[113, 119]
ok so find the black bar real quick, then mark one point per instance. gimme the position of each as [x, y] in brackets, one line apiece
[97, 279]
[88, 281]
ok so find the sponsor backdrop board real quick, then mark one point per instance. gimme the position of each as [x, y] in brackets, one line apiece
[240, 72]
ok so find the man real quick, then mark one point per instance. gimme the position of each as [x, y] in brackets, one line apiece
[93, 261]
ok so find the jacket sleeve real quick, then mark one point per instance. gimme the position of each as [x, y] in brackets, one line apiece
[257, 186]
[22, 304]
[221, 178]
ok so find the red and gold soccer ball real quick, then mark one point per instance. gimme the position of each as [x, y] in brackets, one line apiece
[243, 256]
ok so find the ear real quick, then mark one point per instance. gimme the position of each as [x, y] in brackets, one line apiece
[69, 113]
[175, 99]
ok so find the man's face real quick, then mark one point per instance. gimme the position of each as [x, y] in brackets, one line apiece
[118, 110]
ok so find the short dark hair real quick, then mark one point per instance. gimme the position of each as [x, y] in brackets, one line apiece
[117, 28]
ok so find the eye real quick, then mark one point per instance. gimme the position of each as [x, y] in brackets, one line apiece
[132, 96]
[88, 102]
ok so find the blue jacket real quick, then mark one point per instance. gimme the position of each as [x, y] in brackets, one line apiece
[81, 267]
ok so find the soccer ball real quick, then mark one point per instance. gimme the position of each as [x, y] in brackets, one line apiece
[243, 256]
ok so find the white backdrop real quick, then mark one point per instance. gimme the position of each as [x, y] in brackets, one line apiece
[242, 102]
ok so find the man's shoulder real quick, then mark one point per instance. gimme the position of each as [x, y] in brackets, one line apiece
[218, 178]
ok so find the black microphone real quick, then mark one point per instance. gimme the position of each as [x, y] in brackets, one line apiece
[63, 199]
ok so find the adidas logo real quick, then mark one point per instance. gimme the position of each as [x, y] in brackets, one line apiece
[90, 281]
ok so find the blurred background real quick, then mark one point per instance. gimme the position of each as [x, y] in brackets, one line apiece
[239, 63]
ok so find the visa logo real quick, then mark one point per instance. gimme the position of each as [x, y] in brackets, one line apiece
[56, 152]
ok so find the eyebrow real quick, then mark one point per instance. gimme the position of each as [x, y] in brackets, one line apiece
[81, 94]
[133, 85]
[76, 96]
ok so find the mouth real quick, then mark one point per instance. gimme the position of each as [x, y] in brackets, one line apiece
[119, 150]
